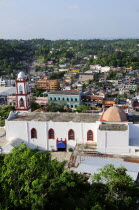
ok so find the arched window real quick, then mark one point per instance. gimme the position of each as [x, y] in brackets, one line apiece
[89, 135]
[33, 133]
[51, 134]
[71, 134]
[21, 102]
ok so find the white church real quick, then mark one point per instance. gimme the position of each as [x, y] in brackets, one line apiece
[110, 131]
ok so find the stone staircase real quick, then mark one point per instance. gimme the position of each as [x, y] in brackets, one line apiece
[81, 152]
[88, 148]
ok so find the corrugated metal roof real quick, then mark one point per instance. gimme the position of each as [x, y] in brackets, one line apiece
[92, 164]
[6, 91]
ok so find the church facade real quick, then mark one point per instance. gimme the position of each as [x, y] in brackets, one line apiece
[110, 131]
[52, 131]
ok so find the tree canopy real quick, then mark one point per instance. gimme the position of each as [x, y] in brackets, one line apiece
[30, 179]
[112, 188]
[82, 108]
[4, 113]
[16, 55]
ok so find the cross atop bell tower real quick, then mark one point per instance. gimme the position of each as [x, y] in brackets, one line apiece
[22, 93]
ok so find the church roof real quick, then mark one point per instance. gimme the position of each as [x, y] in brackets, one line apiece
[114, 114]
[56, 117]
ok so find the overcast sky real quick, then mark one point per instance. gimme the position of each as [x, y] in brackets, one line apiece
[69, 19]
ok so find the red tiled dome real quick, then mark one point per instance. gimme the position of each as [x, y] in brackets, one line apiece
[114, 114]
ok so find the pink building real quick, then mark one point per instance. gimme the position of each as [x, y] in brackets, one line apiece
[42, 100]
[11, 100]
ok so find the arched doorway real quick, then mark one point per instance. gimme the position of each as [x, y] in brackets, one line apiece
[61, 145]
[21, 102]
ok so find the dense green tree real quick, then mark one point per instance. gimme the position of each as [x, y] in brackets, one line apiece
[113, 189]
[29, 179]
[58, 75]
[51, 107]
[16, 55]
[4, 113]
[37, 91]
[82, 108]
[34, 105]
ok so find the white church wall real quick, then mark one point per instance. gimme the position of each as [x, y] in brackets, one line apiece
[41, 141]
[80, 130]
[133, 134]
[61, 133]
[16, 129]
[22, 130]
[89, 126]
[113, 142]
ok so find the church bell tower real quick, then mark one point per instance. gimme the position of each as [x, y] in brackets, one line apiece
[22, 93]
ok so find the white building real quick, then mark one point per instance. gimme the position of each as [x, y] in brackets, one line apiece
[6, 83]
[47, 131]
[105, 69]
[111, 131]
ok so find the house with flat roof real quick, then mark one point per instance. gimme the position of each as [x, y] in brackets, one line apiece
[72, 99]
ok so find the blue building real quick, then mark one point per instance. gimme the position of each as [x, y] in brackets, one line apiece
[71, 98]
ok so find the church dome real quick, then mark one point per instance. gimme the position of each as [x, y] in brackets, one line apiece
[21, 75]
[114, 114]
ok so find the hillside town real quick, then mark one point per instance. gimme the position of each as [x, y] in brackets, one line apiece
[69, 105]
[98, 87]
[84, 113]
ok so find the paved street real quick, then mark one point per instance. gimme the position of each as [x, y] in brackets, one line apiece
[61, 156]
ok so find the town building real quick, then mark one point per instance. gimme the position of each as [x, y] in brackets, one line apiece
[47, 84]
[86, 76]
[6, 92]
[108, 102]
[6, 82]
[110, 131]
[70, 98]
[92, 100]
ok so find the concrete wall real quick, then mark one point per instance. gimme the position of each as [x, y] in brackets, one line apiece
[85, 77]
[80, 130]
[113, 142]
[133, 134]
[22, 130]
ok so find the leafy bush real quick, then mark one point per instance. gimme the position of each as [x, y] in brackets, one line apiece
[70, 150]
